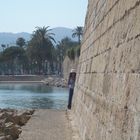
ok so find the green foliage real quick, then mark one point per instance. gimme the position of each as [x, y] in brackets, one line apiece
[39, 55]
[12, 59]
[64, 46]
[78, 32]
[61, 50]
[77, 50]
[3, 46]
[13, 52]
[73, 52]
[20, 42]
[40, 48]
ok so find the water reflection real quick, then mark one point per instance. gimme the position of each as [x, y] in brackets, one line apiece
[32, 96]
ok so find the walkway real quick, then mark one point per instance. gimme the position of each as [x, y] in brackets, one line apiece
[47, 125]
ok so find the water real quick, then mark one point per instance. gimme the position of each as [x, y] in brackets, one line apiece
[32, 96]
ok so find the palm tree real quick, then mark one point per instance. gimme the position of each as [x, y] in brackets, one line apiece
[43, 34]
[78, 32]
[42, 40]
[20, 42]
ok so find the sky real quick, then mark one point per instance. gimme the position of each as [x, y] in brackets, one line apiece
[25, 15]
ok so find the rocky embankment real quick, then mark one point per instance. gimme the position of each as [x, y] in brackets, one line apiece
[11, 122]
[55, 81]
[21, 78]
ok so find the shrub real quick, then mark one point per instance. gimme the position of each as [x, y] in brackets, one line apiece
[73, 52]
[77, 50]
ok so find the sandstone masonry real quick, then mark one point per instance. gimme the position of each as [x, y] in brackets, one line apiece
[107, 93]
[68, 65]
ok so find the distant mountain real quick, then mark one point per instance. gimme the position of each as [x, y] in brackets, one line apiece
[10, 38]
[62, 32]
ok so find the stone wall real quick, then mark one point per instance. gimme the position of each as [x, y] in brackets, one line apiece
[68, 65]
[107, 93]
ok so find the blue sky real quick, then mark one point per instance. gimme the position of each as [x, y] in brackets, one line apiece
[25, 15]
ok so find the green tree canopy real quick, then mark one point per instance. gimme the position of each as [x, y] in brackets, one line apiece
[3, 46]
[41, 47]
[78, 32]
[14, 59]
[20, 41]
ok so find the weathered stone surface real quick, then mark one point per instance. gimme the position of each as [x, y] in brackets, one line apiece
[8, 137]
[2, 138]
[106, 98]
[12, 130]
[55, 81]
[68, 65]
[11, 122]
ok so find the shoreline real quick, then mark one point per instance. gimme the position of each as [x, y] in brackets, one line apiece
[50, 124]
[1, 82]
[12, 121]
[55, 81]
[37, 124]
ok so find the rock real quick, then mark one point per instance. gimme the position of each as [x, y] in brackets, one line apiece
[12, 130]
[1, 134]
[23, 119]
[6, 115]
[8, 137]
[11, 122]
[55, 81]
[2, 125]
[29, 112]
[2, 138]
[20, 117]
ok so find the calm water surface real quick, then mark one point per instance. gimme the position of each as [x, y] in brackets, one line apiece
[35, 96]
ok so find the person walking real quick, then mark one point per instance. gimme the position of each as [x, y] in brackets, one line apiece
[71, 84]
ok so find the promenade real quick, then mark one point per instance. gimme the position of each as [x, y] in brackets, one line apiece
[48, 125]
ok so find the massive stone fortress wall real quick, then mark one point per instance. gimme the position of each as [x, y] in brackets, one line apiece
[68, 65]
[107, 93]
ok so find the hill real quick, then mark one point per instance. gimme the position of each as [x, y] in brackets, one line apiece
[10, 38]
[61, 32]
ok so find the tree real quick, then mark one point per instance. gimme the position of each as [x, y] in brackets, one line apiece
[14, 60]
[61, 49]
[71, 53]
[78, 32]
[41, 47]
[20, 41]
[65, 44]
[43, 34]
[3, 46]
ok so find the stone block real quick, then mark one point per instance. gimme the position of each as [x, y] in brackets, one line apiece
[107, 102]
[133, 20]
[101, 62]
